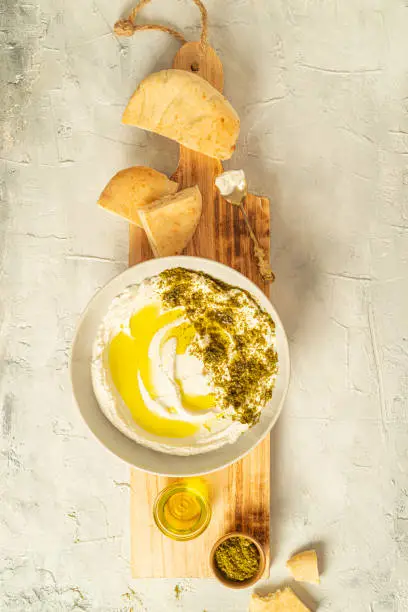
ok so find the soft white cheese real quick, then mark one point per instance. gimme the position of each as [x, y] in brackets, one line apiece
[166, 368]
[230, 180]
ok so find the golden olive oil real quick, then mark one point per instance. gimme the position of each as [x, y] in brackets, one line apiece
[129, 361]
[182, 510]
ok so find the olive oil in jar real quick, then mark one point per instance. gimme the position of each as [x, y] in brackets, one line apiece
[182, 510]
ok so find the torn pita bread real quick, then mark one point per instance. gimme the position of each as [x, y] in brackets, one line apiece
[132, 189]
[171, 221]
[183, 106]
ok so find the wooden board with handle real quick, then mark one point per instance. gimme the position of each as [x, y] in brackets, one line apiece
[239, 493]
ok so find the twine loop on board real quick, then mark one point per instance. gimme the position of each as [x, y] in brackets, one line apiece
[128, 26]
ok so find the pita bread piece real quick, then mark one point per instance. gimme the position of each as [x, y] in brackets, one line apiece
[132, 189]
[185, 107]
[171, 221]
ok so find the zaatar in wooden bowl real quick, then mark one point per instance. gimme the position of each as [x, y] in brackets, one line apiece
[237, 560]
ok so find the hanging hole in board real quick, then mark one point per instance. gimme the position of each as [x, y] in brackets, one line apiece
[194, 67]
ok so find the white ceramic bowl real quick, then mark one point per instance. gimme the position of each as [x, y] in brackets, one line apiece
[130, 451]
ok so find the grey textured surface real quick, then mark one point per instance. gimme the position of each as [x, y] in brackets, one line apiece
[322, 90]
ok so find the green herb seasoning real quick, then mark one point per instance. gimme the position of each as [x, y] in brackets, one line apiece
[237, 559]
[235, 339]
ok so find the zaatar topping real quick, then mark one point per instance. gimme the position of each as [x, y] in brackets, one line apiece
[235, 339]
[237, 558]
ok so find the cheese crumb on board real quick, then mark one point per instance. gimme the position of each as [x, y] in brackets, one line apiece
[304, 567]
[279, 601]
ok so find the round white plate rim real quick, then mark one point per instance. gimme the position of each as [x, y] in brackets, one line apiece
[80, 371]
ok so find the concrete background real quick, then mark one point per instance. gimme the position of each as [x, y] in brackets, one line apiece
[322, 90]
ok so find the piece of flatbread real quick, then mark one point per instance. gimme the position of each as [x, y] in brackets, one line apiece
[304, 567]
[185, 107]
[171, 221]
[280, 601]
[132, 189]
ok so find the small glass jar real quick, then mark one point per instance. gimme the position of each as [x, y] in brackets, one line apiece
[182, 510]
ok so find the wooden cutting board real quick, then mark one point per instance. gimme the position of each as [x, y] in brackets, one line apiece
[239, 493]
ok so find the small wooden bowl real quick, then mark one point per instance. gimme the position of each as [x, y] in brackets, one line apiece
[231, 583]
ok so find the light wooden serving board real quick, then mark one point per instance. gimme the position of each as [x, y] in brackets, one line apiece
[239, 493]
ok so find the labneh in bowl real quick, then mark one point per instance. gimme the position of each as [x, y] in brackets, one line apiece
[132, 452]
